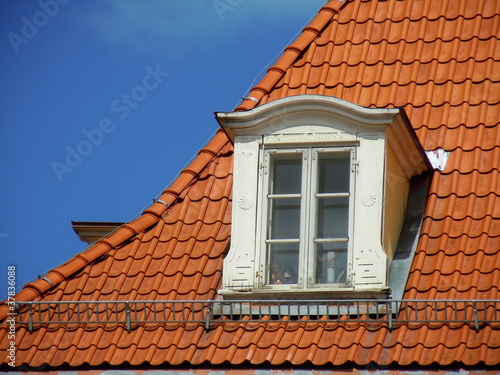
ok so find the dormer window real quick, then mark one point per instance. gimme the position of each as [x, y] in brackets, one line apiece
[319, 195]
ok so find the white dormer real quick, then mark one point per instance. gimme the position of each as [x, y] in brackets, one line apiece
[319, 196]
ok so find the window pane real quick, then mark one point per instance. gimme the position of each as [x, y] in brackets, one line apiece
[334, 172]
[331, 263]
[284, 262]
[287, 175]
[284, 221]
[333, 217]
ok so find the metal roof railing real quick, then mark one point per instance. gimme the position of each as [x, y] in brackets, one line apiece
[391, 313]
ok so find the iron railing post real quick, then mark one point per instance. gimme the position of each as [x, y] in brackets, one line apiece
[389, 315]
[476, 318]
[30, 317]
[208, 317]
[127, 316]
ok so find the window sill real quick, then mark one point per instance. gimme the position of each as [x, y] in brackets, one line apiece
[310, 294]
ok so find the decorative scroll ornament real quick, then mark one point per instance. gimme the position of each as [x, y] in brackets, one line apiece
[245, 202]
[368, 199]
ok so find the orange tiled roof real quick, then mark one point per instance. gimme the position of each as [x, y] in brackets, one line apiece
[440, 60]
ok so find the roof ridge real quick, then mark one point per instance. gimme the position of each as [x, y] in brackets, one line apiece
[291, 53]
[149, 217]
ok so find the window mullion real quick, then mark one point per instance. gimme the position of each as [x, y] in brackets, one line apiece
[310, 224]
[350, 250]
[304, 219]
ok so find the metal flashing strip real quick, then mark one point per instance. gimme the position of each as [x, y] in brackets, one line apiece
[155, 200]
[47, 280]
[399, 269]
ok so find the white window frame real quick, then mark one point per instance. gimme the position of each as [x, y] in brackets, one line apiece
[308, 216]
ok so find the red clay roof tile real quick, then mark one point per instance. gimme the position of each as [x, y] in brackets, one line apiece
[442, 64]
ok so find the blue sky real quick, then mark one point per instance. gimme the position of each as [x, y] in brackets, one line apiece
[103, 102]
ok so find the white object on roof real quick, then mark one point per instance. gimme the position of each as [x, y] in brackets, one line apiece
[438, 158]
